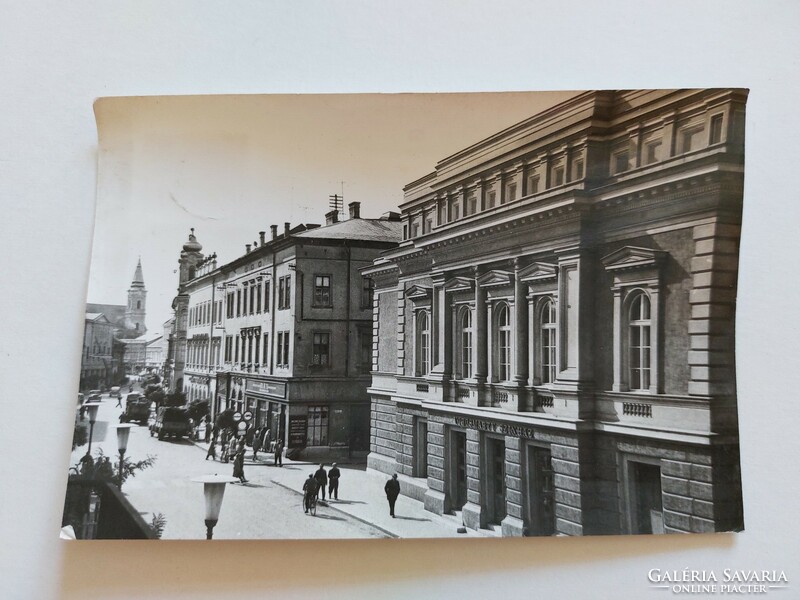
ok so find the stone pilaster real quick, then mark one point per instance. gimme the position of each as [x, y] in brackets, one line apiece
[401, 333]
[436, 498]
[474, 513]
[513, 524]
[712, 299]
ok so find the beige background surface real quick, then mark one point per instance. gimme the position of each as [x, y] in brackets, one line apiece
[57, 57]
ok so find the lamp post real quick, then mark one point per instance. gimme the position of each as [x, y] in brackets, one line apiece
[91, 408]
[123, 431]
[213, 490]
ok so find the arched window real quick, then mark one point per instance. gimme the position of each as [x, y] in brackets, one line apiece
[639, 342]
[465, 330]
[503, 342]
[423, 343]
[547, 341]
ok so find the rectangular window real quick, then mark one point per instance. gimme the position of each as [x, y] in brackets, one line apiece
[428, 226]
[621, 160]
[230, 305]
[715, 130]
[244, 299]
[455, 212]
[284, 292]
[322, 290]
[317, 432]
[652, 152]
[405, 232]
[367, 292]
[265, 355]
[578, 169]
[257, 348]
[321, 349]
[414, 229]
[283, 349]
[511, 192]
[533, 184]
[266, 296]
[238, 303]
[258, 298]
[558, 176]
[236, 349]
[228, 348]
[491, 197]
[472, 204]
[691, 138]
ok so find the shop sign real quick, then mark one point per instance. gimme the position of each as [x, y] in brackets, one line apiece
[297, 431]
[502, 428]
[268, 388]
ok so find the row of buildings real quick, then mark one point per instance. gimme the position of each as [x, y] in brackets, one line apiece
[541, 341]
[115, 339]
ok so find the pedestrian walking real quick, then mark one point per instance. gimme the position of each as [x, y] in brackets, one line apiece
[322, 479]
[256, 443]
[279, 452]
[309, 491]
[119, 401]
[212, 450]
[392, 489]
[333, 482]
[238, 466]
[224, 454]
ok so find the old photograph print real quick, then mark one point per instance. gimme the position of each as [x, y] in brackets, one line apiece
[411, 315]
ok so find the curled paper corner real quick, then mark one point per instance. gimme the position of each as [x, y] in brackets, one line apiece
[67, 533]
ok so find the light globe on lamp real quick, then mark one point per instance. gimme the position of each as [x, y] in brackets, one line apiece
[123, 432]
[213, 490]
[91, 408]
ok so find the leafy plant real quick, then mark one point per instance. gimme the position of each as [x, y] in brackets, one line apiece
[157, 524]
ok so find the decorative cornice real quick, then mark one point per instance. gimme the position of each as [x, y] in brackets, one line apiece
[417, 293]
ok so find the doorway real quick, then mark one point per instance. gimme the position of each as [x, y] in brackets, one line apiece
[496, 461]
[541, 493]
[458, 474]
[645, 498]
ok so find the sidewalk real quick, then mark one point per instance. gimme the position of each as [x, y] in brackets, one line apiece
[361, 496]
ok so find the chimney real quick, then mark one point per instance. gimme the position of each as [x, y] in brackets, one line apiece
[286, 229]
[247, 248]
[261, 235]
[331, 217]
[273, 229]
[355, 210]
[390, 216]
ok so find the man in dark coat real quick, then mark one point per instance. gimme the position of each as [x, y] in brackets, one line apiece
[238, 466]
[392, 489]
[279, 452]
[333, 482]
[309, 491]
[322, 480]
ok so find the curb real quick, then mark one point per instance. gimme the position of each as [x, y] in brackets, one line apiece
[364, 521]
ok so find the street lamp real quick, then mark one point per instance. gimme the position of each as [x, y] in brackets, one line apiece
[123, 431]
[213, 490]
[91, 408]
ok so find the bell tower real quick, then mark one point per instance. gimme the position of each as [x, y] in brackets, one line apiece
[137, 298]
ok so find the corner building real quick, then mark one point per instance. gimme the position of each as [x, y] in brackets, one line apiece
[554, 337]
[284, 332]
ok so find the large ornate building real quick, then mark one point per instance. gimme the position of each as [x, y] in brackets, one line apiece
[285, 331]
[554, 337]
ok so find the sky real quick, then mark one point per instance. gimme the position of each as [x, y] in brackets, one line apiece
[231, 166]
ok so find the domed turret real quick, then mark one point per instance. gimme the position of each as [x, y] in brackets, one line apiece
[192, 245]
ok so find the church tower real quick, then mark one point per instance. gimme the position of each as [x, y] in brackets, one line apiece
[137, 297]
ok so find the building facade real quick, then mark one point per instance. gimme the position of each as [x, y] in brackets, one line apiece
[97, 366]
[554, 338]
[285, 332]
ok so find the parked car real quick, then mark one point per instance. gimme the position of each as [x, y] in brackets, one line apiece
[171, 421]
[137, 408]
[95, 396]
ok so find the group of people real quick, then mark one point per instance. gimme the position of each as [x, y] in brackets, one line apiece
[315, 485]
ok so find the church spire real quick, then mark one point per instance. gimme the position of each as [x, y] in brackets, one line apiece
[138, 278]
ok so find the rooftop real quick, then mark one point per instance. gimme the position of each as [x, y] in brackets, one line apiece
[373, 230]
